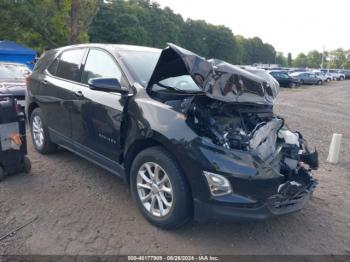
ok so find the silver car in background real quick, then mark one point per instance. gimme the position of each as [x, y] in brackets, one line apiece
[13, 80]
[335, 73]
[307, 78]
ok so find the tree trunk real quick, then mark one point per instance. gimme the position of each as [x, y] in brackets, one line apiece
[74, 12]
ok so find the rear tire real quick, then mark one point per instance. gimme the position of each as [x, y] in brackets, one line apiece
[319, 82]
[167, 206]
[40, 133]
[301, 82]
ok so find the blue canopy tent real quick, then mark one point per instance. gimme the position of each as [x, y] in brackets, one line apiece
[13, 52]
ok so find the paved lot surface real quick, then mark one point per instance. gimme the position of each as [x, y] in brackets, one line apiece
[83, 209]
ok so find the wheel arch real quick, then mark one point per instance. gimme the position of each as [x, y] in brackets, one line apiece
[141, 144]
[31, 108]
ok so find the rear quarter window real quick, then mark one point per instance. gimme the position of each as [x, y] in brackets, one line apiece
[69, 66]
[53, 67]
[44, 60]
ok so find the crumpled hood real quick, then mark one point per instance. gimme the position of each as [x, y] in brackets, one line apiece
[13, 88]
[218, 79]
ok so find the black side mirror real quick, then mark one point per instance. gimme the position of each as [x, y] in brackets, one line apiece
[107, 85]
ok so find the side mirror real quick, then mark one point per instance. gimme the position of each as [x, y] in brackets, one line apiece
[107, 85]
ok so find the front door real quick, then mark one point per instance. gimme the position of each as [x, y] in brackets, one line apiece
[97, 115]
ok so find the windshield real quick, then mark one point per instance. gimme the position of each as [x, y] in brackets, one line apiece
[13, 72]
[141, 64]
[183, 83]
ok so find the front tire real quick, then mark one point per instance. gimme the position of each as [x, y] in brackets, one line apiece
[292, 85]
[160, 189]
[319, 82]
[40, 133]
[341, 78]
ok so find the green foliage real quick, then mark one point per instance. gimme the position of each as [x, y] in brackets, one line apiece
[281, 59]
[314, 59]
[53, 23]
[148, 24]
[300, 60]
[339, 59]
[253, 50]
[40, 23]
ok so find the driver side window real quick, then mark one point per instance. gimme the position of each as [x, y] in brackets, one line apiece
[99, 64]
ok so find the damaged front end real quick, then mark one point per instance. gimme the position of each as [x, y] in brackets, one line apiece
[234, 110]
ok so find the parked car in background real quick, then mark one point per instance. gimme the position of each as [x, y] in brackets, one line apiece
[284, 79]
[184, 149]
[335, 73]
[326, 77]
[307, 78]
[297, 70]
[13, 80]
[346, 73]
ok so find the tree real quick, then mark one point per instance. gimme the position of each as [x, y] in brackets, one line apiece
[280, 59]
[300, 60]
[40, 23]
[289, 60]
[338, 59]
[314, 59]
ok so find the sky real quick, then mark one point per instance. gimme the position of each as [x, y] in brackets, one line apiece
[289, 25]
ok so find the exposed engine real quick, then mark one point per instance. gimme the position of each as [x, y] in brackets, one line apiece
[248, 128]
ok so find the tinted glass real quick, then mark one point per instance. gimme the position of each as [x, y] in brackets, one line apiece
[141, 64]
[69, 64]
[53, 67]
[99, 64]
[179, 83]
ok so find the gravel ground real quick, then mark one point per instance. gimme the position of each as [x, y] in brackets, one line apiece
[82, 209]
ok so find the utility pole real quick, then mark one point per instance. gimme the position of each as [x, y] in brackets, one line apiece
[322, 57]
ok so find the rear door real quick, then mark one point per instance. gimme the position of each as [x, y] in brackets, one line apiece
[56, 97]
[314, 78]
[97, 115]
[284, 79]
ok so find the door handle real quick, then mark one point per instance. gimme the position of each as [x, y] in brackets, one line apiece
[79, 93]
[43, 82]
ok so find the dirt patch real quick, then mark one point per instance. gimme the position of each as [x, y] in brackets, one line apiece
[83, 209]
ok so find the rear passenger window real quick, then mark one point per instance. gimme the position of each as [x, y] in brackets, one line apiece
[99, 64]
[69, 64]
[53, 67]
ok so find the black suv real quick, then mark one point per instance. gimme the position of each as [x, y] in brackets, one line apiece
[284, 79]
[192, 137]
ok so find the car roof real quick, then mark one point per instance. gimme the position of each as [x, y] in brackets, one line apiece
[112, 47]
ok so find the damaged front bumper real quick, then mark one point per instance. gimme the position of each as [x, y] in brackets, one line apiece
[259, 189]
[290, 196]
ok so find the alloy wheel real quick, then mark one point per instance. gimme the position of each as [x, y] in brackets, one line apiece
[154, 189]
[38, 131]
